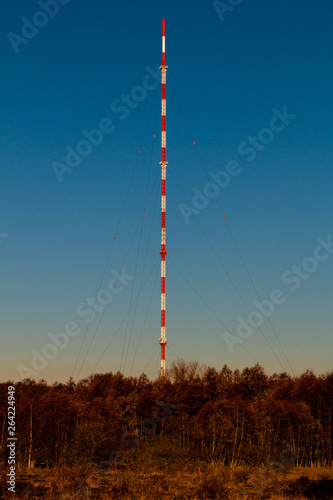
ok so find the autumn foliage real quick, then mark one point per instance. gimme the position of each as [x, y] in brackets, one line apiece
[198, 415]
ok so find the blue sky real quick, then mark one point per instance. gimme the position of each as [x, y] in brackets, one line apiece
[225, 78]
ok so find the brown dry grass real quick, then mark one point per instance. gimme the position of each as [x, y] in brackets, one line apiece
[197, 483]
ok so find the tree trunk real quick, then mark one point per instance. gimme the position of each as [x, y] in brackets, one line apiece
[3, 431]
[30, 435]
[235, 441]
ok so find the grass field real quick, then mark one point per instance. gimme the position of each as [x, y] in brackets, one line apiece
[194, 482]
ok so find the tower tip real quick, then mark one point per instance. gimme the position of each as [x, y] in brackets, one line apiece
[163, 43]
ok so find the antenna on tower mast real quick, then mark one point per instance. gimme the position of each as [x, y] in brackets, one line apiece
[163, 163]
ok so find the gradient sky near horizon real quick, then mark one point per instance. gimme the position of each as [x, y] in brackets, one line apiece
[224, 80]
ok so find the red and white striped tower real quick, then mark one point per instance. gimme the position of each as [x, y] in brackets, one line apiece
[163, 164]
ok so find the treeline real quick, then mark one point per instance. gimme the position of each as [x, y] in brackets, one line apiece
[230, 417]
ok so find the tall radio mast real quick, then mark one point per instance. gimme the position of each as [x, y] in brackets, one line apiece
[163, 163]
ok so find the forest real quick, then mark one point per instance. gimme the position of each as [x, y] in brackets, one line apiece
[199, 416]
